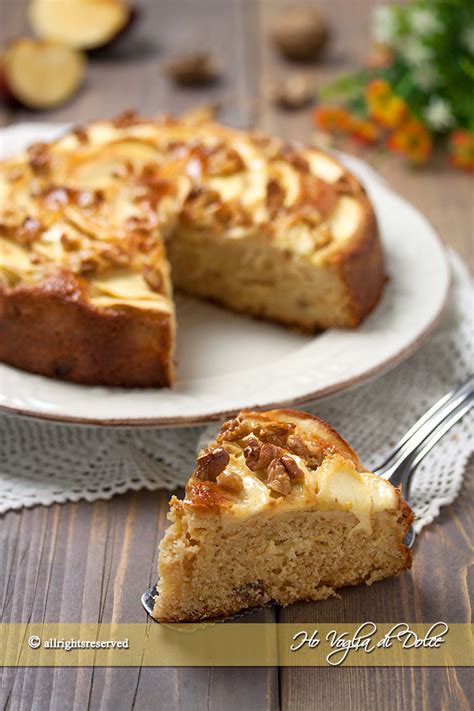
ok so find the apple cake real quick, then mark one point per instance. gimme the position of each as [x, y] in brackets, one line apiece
[279, 508]
[96, 226]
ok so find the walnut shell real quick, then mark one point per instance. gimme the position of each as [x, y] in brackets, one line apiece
[193, 69]
[293, 92]
[300, 33]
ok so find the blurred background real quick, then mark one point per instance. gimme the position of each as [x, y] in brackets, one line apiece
[269, 64]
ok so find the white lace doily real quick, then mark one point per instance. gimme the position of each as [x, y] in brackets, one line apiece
[45, 463]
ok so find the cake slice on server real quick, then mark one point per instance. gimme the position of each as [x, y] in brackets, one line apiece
[279, 508]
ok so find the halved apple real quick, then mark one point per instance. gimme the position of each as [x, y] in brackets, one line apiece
[83, 24]
[41, 74]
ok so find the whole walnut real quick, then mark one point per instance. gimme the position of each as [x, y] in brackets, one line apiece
[300, 32]
[193, 68]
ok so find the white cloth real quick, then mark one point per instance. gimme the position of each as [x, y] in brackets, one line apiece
[45, 463]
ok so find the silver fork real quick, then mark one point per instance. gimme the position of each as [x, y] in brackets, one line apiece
[420, 439]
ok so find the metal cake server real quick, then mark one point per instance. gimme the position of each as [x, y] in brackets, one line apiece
[403, 460]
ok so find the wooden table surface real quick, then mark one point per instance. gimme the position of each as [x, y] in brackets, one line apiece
[91, 562]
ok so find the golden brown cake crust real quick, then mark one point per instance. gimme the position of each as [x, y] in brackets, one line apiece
[406, 519]
[334, 439]
[51, 329]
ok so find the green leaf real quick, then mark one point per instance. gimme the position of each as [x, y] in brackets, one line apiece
[346, 86]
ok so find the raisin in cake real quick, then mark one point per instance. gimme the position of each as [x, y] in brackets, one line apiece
[279, 508]
[93, 224]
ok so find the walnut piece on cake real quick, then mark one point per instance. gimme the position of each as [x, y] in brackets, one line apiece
[266, 522]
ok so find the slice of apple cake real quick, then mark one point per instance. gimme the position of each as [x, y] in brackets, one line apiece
[279, 508]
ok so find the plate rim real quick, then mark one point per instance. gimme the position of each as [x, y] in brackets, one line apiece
[342, 385]
[191, 420]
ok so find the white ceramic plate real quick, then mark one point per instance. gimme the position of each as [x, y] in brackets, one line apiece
[227, 362]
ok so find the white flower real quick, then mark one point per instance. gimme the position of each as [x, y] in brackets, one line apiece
[438, 114]
[384, 24]
[425, 22]
[467, 38]
[414, 52]
[425, 76]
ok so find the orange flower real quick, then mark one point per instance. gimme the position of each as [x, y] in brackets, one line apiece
[412, 140]
[364, 131]
[332, 118]
[462, 149]
[378, 89]
[384, 107]
[380, 57]
[336, 120]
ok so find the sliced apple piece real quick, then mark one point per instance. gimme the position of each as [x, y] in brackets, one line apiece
[41, 74]
[83, 24]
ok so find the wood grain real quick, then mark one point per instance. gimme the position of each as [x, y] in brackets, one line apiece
[91, 562]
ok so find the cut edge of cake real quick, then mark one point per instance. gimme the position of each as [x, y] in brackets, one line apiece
[253, 530]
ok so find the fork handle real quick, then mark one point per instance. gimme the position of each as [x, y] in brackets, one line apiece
[422, 429]
[403, 471]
